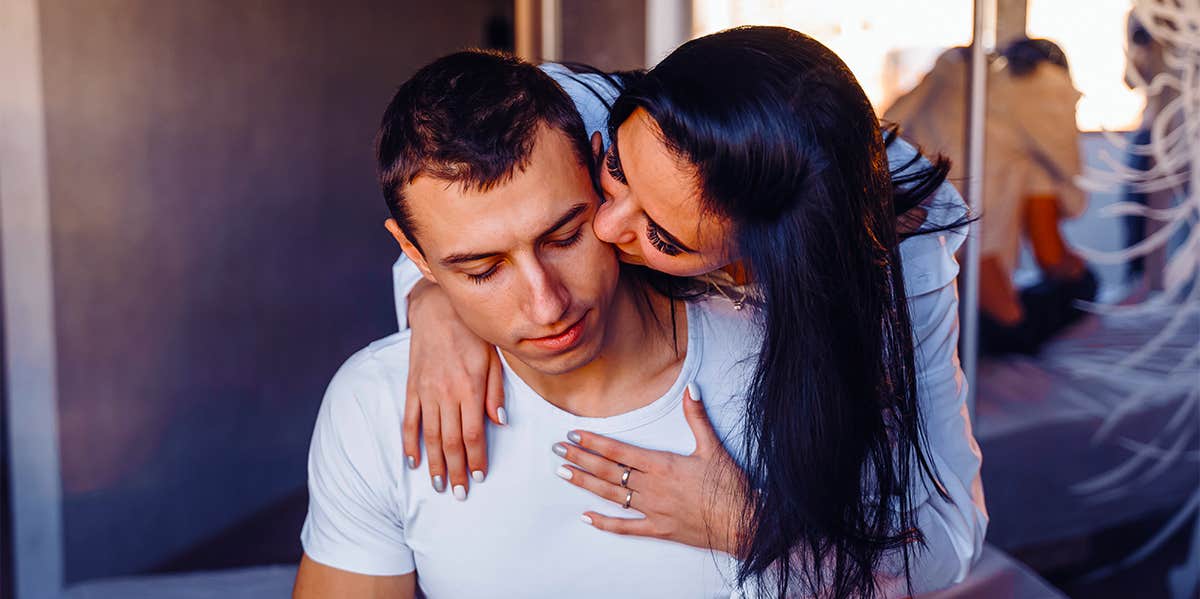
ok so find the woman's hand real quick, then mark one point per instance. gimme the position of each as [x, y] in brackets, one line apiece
[454, 379]
[695, 499]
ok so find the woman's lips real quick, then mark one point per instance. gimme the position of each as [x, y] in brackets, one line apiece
[563, 340]
[628, 258]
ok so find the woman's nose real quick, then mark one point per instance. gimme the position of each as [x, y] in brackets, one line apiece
[613, 222]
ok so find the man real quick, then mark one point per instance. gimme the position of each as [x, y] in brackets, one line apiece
[485, 165]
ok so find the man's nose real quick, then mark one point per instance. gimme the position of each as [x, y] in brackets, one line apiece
[549, 298]
[614, 222]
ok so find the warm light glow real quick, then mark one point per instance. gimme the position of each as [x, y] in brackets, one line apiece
[1092, 34]
[887, 45]
[890, 45]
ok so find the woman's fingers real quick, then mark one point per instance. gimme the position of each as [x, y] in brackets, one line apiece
[640, 527]
[597, 486]
[697, 419]
[494, 404]
[410, 428]
[449, 370]
[432, 425]
[456, 455]
[474, 438]
[602, 467]
[616, 451]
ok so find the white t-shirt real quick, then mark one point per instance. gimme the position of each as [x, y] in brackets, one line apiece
[519, 534]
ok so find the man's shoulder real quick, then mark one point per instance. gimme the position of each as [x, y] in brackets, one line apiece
[374, 376]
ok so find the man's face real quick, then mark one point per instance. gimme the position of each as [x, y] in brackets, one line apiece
[519, 261]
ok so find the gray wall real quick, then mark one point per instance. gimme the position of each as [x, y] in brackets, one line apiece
[218, 247]
[618, 45]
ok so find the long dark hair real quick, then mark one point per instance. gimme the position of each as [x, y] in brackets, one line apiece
[785, 144]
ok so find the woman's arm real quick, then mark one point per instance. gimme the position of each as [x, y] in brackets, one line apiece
[954, 528]
[455, 380]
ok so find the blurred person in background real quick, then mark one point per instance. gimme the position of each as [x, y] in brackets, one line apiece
[1145, 60]
[1032, 158]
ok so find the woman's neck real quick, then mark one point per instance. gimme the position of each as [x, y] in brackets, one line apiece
[737, 271]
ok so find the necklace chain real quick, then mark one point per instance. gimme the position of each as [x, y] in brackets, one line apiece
[719, 280]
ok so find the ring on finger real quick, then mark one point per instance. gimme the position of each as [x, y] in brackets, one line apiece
[628, 499]
[625, 477]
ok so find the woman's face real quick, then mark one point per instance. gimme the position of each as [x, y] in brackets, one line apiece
[652, 210]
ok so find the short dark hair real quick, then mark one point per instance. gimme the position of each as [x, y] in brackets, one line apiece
[1025, 54]
[469, 118]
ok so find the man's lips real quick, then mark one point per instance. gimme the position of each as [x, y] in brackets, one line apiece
[563, 340]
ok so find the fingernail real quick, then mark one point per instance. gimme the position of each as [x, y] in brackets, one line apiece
[574, 437]
[693, 391]
[439, 485]
[502, 414]
[412, 463]
[564, 472]
[586, 519]
[560, 450]
[477, 475]
[460, 492]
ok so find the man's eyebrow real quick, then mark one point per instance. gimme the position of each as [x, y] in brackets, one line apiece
[668, 236]
[454, 259]
[572, 214]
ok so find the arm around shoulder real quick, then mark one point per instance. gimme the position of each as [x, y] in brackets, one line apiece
[405, 277]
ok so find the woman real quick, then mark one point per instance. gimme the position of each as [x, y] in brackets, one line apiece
[754, 151]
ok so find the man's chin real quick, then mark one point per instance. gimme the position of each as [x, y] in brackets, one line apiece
[560, 363]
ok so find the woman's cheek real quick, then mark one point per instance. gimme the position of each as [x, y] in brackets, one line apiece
[683, 265]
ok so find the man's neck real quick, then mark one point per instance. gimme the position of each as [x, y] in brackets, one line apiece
[640, 358]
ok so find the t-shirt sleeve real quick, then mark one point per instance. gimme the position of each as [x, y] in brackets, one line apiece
[353, 521]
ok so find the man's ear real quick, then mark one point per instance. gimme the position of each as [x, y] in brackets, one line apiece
[597, 146]
[409, 249]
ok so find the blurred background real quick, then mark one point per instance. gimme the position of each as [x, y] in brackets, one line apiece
[192, 243]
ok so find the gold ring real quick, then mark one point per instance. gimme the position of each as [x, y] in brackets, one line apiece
[625, 477]
[628, 498]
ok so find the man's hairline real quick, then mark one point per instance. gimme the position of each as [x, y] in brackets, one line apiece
[519, 166]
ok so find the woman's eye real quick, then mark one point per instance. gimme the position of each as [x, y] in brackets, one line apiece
[613, 164]
[661, 244]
